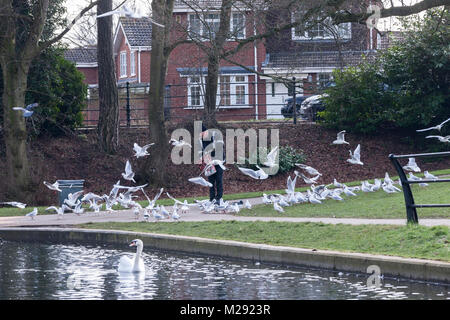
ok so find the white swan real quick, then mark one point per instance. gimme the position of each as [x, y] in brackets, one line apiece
[137, 263]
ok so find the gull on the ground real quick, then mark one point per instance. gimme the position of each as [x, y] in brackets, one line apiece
[387, 179]
[32, 214]
[340, 139]
[128, 174]
[309, 169]
[277, 207]
[376, 185]
[54, 186]
[412, 165]
[78, 209]
[141, 151]
[389, 188]
[175, 215]
[412, 177]
[440, 138]
[430, 176]
[247, 204]
[15, 204]
[27, 111]
[201, 181]
[348, 192]
[290, 185]
[255, 174]
[312, 197]
[266, 199]
[123, 11]
[355, 157]
[438, 127]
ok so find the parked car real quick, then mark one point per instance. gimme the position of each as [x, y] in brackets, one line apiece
[311, 106]
[287, 110]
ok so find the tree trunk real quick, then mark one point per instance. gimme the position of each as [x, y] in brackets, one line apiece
[17, 165]
[108, 98]
[154, 169]
[214, 53]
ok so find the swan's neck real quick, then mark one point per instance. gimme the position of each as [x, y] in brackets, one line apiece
[137, 257]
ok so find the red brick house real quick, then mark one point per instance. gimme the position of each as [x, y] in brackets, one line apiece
[85, 60]
[310, 56]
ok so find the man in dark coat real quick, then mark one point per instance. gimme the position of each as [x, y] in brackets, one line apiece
[216, 191]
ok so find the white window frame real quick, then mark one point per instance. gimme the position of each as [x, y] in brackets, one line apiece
[133, 63]
[344, 31]
[201, 32]
[234, 84]
[123, 64]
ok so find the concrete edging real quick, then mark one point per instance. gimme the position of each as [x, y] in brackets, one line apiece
[413, 269]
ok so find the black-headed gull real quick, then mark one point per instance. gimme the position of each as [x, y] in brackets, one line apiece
[15, 204]
[440, 138]
[277, 207]
[128, 174]
[430, 176]
[255, 174]
[179, 143]
[72, 198]
[438, 127]
[340, 139]
[54, 186]
[271, 158]
[32, 214]
[355, 157]
[125, 12]
[290, 185]
[412, 165]
[201, 181]
[141, 151]
[309, 169]
[306, 179]
[412, 177]
[59, 210]
[27, 111]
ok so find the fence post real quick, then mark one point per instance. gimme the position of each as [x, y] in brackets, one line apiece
[411, 212]
[128, 106]
[294, 102]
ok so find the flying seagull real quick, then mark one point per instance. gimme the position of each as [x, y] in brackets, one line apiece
[27, 112]
[128, 174]
[15, 204]
[54, 186]
[125, 12]
[440, 138]
[271, 158]
[255, 174]
[141, 151]
[355, 157]
[179, 143]
[438, 127]
[201, 181]
[412, 165]
[340, 138]
[309, 169]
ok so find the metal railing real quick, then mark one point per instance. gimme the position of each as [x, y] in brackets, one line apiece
[411, 212]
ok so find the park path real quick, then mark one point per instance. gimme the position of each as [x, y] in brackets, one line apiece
[194, 214]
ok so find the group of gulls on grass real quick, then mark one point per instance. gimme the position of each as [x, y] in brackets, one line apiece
[314, 195]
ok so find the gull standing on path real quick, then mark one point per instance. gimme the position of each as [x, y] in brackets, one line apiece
[430, 176]
[340, 138]
[125, 12]
[438, 127]
[141, 151]
[32, 214]
[128, 174]
[355, 157]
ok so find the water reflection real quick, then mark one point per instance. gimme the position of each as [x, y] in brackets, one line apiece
[43, 271]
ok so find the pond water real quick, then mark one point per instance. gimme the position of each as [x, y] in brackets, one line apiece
[49, 271]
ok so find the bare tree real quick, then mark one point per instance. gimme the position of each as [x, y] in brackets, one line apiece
[108, 97]
[21, 29]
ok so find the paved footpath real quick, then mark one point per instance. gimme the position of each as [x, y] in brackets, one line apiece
[194, 214]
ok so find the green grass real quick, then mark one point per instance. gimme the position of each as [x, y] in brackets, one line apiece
[366, 205]
[411, 241]
[373, 205]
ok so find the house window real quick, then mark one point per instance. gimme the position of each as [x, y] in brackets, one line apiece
[133, 63]
[238, 25]
[123, 64]
[323, 79]
[207, 25]
[321, 30]
[225, 92]
[240, 88]
[194, 92]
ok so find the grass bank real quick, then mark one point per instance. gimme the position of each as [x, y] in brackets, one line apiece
[411, 241]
